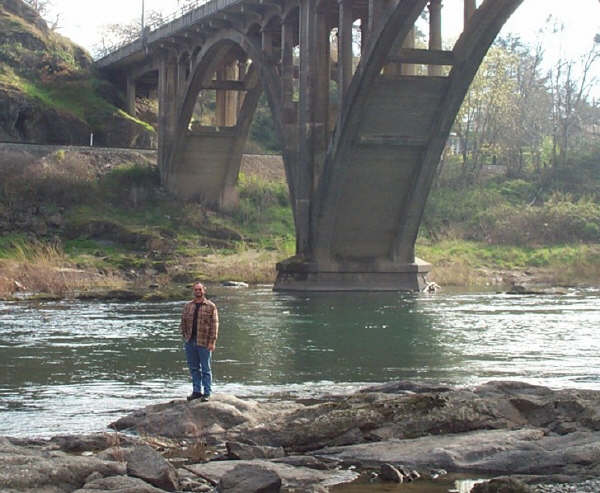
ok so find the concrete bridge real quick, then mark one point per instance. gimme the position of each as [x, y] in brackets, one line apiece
[361, 140]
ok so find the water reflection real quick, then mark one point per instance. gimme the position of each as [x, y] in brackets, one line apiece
[337, 337]
[74, 366]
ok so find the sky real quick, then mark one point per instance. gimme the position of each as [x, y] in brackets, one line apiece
[83, 21]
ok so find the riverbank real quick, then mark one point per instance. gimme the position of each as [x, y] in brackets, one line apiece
[383, 433]
[40, 272]
[90, 223]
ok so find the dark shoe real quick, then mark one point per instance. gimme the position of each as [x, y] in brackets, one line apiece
[205, 398]
[195, 395]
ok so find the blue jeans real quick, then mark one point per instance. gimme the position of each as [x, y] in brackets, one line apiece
[198, 359]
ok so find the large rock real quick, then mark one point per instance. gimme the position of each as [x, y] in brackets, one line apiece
[145, 463]
[221, 417]
[40, 468]
[501, 485]
[27, 120]
[248, 478]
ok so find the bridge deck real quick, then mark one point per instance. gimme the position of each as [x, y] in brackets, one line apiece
[134, 51]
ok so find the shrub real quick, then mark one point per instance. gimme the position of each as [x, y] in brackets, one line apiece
[29, 181]
[258, 195]
[130, 185]
[559, 220]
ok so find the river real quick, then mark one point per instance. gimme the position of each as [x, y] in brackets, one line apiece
[74, 366]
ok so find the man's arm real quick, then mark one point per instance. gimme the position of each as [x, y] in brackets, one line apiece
[181, 324]
[214, 330]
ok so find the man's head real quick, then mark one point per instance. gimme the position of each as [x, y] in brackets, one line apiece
[199, 290]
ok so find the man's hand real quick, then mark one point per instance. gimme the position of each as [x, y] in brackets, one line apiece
[212, 346]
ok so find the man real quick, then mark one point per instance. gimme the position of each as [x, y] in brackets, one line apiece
[200, 328]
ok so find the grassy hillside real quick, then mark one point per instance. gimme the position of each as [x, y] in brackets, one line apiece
[49, 92]
[105, 217]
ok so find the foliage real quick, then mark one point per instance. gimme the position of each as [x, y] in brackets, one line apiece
[264, 211]
[262, 131]
[537, 210]
[525, 120]
[26, 183]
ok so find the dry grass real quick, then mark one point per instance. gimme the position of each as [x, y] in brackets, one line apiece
[251, 266]
[458, 274]
[43, 268]
[266, 167]
[580, 271]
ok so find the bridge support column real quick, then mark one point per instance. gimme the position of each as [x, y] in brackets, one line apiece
[313, 115]
[226, 101]
[345, 55]
[167, 111]
[130, 101]
[435, 33]
[409, 42]
[470, 8]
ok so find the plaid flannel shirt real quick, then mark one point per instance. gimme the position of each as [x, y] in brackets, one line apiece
[208, 322]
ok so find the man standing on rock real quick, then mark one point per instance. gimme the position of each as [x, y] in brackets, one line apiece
[200, 328]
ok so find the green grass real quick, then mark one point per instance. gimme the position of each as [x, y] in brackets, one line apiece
[9, 243]
[79, 98]
[478, 255]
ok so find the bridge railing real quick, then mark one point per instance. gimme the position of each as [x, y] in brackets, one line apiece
[151, 26]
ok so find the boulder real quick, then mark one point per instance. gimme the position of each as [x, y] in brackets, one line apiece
[75, 444]
[39, 468]
[248, 478]
[224, 414]
[501, 485]
[145, 463]
[388, 472]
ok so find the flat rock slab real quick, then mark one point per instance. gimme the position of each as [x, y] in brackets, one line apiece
[526, 451]
[292, 477]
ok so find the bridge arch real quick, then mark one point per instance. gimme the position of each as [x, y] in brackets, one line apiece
[212, 156]
[384, 151]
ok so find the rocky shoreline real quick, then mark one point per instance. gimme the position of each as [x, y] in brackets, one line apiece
[536, 438]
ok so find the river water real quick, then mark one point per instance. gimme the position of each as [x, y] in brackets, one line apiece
[72, 366]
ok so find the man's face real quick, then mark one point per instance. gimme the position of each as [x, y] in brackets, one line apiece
[199, 291]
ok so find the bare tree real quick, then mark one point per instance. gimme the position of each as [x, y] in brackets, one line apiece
[571, 83]
[115, 35]
[40, 6]
[43, 8]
